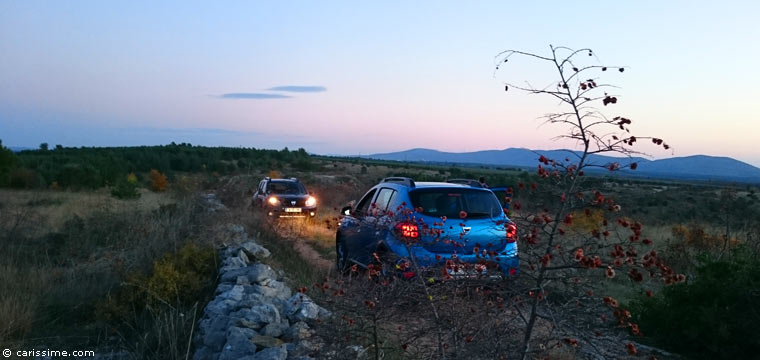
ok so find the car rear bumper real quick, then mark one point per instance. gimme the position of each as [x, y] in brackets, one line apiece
[508, 263]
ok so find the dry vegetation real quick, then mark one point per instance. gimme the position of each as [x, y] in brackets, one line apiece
[76, 268]
[77, 265]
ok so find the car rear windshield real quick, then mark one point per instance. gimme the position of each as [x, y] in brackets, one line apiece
[450, 202]
[286, 187]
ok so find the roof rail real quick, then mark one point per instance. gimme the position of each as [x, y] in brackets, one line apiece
[468, 182]
[294, 179]
[267, 178]
[401, 180]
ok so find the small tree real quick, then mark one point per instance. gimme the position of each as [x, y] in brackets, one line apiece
[44, 146]
[566, 266]
[158, 181]
[573, 242]
[126, 188]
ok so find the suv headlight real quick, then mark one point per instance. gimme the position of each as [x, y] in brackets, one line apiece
[273, 200]
[311, 201]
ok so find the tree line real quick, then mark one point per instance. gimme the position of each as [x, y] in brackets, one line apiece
[95, 167]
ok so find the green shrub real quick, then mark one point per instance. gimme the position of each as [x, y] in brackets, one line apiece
[23, 178]
[126, 188]
[178, 279]
[713, 316]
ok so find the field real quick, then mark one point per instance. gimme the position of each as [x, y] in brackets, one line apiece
[80, 266]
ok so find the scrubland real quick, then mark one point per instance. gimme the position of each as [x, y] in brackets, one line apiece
[82, 267]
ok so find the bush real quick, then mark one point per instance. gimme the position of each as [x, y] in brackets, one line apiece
[158, 181]
[23, 178]
[178, 279]
[714, 316]
[127, 188]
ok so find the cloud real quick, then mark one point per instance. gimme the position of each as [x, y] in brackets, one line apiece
[254, 96]
[300, 89]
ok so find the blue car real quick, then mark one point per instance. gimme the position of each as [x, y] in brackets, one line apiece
[430, 223]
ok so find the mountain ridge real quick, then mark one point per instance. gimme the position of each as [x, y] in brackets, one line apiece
[697, 167]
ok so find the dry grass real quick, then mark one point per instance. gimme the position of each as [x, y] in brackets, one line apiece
[54, 208]
[22, 292]
[61, 253]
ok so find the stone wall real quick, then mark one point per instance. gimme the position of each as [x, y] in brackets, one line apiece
[255, 315]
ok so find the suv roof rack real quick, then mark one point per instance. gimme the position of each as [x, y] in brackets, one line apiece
[468, 182]
[401, 180]
[294, 179]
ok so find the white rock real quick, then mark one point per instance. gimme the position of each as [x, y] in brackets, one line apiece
[235, 294]
[297, 332]
[260, 272]
[238, 344]
[300, 307]
[258, 251]
[243, 257]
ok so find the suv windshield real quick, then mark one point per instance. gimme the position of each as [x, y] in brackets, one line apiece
[450, 201]
[286, 187]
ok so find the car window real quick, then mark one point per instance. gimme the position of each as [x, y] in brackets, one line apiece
[364, 204]
[383, 198]
[501, 195]
[450, 202]
[285, 188]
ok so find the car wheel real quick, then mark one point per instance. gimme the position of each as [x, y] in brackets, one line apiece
[341, 256]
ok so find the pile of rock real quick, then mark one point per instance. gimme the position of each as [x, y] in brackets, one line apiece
[255, 315]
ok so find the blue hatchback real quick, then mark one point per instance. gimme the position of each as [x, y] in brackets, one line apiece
[430, 223]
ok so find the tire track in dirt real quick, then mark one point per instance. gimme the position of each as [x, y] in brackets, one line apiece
[295, 233]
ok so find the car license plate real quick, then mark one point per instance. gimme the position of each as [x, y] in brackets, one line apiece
[293, 210]
[473, 272]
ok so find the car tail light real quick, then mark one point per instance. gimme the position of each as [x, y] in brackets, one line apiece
[511, 232]
[408, 231]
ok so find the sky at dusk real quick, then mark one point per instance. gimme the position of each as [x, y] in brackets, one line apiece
[366, 77]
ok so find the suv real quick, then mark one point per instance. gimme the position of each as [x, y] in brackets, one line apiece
[284, 198]
[430, 223]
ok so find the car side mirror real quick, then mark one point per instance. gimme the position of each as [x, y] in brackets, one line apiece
[346, 210]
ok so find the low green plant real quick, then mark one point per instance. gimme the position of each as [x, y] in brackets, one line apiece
[714, 315]
[178, 279]
[126, 188]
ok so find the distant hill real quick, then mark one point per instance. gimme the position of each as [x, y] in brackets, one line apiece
[697, 167]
